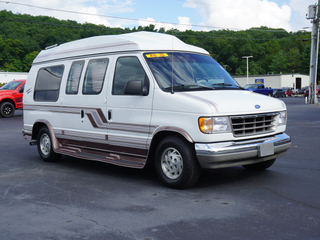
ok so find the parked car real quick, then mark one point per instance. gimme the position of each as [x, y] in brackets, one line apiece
[277, 93]
[259, 88]
[306, 92]
[11, 97]
[288, 92]
[300, 91]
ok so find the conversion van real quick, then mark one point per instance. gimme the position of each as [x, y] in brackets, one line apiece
[146, 97]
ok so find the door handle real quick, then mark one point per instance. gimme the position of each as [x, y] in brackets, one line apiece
[109, 115]
[82, 113]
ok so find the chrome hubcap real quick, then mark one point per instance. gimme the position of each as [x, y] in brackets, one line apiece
[172, 163]
[45, 144]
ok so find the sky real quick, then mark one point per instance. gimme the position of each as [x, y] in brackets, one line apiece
[196, 15]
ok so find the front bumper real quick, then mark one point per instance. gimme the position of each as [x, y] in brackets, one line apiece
[237, 153]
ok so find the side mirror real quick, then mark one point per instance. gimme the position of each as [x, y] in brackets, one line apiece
[135, 88]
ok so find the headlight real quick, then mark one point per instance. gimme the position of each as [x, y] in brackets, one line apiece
[282, 118]
[214, 124]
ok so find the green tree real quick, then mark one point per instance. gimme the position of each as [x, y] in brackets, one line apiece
[28, 59]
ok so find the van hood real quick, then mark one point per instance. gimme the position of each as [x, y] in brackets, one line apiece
[234, 102]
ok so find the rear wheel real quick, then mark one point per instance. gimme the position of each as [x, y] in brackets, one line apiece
[260, 166]
[176, 164]
[7, 109]
[44, 144]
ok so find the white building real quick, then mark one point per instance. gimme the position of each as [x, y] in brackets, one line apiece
[295, 80]
[9, 76]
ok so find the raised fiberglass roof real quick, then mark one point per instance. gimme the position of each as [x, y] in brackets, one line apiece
[137, 41]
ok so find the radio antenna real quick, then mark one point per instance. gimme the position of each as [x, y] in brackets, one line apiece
[172, 63]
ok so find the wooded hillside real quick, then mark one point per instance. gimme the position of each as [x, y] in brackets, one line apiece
[274, 50]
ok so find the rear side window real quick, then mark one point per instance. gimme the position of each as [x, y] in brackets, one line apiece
[48, 83]
[74, 77]
[93, 80]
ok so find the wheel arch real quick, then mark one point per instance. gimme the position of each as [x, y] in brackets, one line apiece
[162, 133]
[44, 123]
[9, 100]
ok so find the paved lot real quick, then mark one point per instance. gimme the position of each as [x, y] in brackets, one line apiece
[77, 199]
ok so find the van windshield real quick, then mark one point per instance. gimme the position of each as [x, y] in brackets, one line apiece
[188, 72]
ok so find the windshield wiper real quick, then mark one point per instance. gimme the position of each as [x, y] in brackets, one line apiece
[223, 84]
[226, 84]
[182, 86]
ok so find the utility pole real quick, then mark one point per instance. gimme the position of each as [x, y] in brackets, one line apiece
[314, 16]
[247, 57]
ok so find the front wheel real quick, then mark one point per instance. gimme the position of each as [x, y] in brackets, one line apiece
[176, 164]
[44, 144]
[260, 166]
[7, 109]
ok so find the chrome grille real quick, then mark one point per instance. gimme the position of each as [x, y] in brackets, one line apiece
[247, 125]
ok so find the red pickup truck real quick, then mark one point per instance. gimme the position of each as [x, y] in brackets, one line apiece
[11, 97]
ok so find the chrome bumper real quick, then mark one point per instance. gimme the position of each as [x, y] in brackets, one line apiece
[237, 153]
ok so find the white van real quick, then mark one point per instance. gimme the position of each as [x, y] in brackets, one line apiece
[148, 97]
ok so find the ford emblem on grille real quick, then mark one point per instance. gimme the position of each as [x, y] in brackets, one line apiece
[257, 106]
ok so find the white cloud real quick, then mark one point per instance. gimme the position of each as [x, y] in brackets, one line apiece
[184, 24]
[146, 22]
[242, 14]
[299, 11]
[73, 9]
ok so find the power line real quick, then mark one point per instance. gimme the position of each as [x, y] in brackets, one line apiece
[107, 16]
[62, 25]
[132, 19]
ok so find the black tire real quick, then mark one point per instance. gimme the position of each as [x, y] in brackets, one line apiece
[7, 109]
[260, 166]
[44, 144]
[176, 163]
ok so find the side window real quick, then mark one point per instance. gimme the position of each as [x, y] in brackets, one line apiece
[74, 77]
[93, 80]
[48, 84]
[128, 69]
[21, 88]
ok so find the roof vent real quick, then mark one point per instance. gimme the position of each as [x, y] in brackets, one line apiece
[52, 46]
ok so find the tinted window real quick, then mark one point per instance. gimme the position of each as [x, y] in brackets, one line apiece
[48, 83]
[128, 69]
[188, 72]
[94, 77]
[74, 77]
